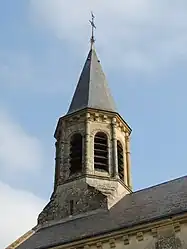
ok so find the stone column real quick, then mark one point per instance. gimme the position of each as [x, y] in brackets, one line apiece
[65, 166]
[114, 149]
[87, 166]
[125, 164]
[128, 159]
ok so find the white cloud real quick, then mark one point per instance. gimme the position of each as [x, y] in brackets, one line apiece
[19, 210]
[137, 34]
[20, 153]
[18, 150]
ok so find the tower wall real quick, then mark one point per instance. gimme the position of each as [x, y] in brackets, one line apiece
[88, 189]
[88, 124]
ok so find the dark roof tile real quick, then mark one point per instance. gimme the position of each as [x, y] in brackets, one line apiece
[92, 90]
[153, 203]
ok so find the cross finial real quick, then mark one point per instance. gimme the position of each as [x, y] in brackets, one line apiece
[92, 40]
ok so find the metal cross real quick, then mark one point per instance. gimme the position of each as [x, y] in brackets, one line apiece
[93, 27]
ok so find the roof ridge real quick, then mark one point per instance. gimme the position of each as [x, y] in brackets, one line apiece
[159, 184]
[91, 51]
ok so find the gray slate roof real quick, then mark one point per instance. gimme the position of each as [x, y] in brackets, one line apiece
[92, 90]
[143, 206]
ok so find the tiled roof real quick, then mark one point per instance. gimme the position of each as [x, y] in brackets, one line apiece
[143, 206]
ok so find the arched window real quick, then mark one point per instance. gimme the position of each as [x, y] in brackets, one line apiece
[120, 160]
[76, 154]
[101, 152]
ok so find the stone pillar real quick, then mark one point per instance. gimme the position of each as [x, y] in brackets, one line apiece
[114, 149]
[65, 165]
[87, 166]
[125, 164]
[128, 160]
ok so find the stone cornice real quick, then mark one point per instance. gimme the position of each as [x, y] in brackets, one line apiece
[97, 177]
[77, 115]
[126, 233]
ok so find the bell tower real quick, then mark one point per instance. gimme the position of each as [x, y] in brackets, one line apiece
[93, 168]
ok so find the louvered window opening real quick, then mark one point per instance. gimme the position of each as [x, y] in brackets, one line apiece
[76, 154]
[101, 152]
[120, 161]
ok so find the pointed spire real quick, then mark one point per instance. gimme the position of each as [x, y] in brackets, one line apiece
[92, 90]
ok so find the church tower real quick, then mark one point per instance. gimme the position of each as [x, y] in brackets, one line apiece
[93, 169]
[92, 205]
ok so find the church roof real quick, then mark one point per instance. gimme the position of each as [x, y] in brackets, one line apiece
[150, 204]
[92, 90]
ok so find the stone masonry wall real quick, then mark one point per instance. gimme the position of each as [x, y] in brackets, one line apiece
[85, 198]
[103, 189]
[87, 125]
[173, 236]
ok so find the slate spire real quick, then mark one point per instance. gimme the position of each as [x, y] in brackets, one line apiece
[92, 90]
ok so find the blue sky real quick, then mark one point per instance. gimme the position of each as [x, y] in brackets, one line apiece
[43, 46]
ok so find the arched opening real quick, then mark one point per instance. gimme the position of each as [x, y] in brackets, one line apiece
[101, 152]
[76, 154]
[120, 160]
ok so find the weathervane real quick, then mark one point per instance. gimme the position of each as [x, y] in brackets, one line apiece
[92, 40]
